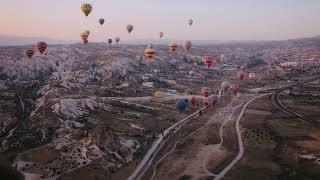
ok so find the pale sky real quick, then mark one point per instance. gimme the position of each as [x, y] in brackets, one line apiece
[214, 19]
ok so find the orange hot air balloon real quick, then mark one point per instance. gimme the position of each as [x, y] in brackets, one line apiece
[240, 75]
[86, 9]
[173, 47]
[205, 91]
[101, 21]
[207, 60]
[29, 53]
[41, 46]
[149, 52]
[84, 37]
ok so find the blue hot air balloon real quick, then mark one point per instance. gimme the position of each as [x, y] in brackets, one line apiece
[93, 65]
[181, 104]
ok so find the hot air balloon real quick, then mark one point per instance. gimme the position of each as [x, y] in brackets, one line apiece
[192, 73]
[84, 37]
[240, 75]
[41, 46]
[186, 45]
[181, 104]
[101, 21]
[161, 34]
[213, 99]
[86, 9]
[225, 85]
[205, 91]
[93, 65]
[117, 40]
[157, 94]
[109, 41]
[193, 100]
[252, 76]
[29, 53]
[207, 60]
[88, 32]
[129, 28]
[190, 22]
[149, 52]
[173, 47]
[244, 67]
[234, 88]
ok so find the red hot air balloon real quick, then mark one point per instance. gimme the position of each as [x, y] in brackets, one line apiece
[234, 88]
[193, 100]
[41, 46]
[240, 75]
[205, 91]
[207, 60]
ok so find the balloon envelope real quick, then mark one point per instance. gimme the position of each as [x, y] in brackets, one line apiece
[86, 8]
[181, 104]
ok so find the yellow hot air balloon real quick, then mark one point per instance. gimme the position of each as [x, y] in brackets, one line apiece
[86, 8]
[157, 94]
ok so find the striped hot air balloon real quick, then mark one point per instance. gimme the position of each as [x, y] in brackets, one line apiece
[173, 47]
[29, 53]
[86, 8]
[41, 46]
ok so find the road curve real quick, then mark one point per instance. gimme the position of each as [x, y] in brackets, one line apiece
[279, 105]
[241, 148]
[148, 158]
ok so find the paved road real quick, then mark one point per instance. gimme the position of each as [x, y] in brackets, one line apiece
[148, 158]
[241, 148]
[279, 105]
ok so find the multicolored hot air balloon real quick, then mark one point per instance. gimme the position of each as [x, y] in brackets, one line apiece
[84, 36]
[240, 75]
[173, 47]
[181, 104]
[186, 45]
[110, 41]
[205, 91]
[117, 40]
[161, 34]
[190, 22]
[29, 53]
[129, 28]
[252, 76]
[86, 8]
[41, 46]
[101, 21]
[234, 88]
[207, 60]
[148, 53]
